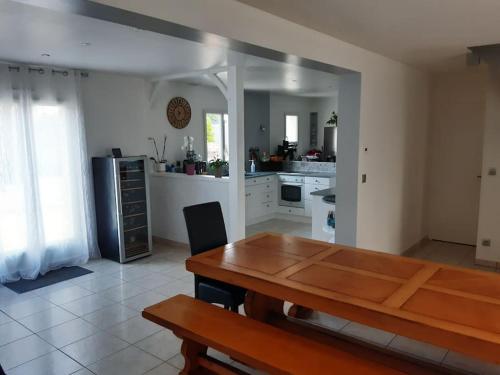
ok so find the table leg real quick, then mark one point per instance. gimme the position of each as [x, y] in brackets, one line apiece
[299, 312]
[261, 307]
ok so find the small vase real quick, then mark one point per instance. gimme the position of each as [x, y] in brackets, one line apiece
[190, 169]
[161, 167]
[218, 172]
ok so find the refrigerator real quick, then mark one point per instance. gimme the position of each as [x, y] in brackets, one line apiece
[121, 191]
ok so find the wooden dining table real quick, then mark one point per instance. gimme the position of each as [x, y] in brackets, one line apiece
[451, 307]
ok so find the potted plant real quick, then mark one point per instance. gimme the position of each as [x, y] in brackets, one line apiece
[217, 165]
[190, 166]
[160, 163]
[333, 119]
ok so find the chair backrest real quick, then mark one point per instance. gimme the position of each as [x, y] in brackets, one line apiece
[205, 227]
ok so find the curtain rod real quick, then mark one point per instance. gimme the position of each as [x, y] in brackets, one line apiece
[42, 71]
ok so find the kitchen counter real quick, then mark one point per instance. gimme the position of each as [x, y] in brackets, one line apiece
[194, 177]
[258, 174]
[324, 192]
[305, 174]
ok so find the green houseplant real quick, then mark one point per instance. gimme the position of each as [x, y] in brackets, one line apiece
[333, 119]
[217, 165]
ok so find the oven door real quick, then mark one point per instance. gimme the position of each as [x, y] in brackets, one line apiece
[291, 194]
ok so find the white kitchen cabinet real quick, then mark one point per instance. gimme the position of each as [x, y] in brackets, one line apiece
[313, 184]
[308, 208]
[291, 210]
[260, 198]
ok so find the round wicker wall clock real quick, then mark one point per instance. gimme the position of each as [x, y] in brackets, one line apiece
[178, 112]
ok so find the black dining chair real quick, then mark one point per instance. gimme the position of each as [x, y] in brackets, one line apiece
[206, 231]
[1, 370]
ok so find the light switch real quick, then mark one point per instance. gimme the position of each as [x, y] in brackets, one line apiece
[492, 172]
[486, 243]
[363, 178]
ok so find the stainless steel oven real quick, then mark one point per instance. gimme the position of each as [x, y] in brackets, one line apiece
[291, 191]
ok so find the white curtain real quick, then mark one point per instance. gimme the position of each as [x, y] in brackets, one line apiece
[46, 202]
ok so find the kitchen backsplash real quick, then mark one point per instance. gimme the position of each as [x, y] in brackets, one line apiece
[308, 166]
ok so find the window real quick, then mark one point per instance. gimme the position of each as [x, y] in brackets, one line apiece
[216, 135]
[292, 128]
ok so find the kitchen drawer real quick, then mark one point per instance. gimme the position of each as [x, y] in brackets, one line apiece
[260, 180]
[267, 196]
[268, 208]
[291, 210]
[261, 188]
[291, 178]
[318, 180]
[268, 187]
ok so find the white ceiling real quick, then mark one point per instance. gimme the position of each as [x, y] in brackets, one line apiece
[27, 32]
[431, 34]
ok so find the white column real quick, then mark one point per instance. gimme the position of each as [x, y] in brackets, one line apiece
[235, 104]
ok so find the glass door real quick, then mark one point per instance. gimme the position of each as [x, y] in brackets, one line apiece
[134, 207]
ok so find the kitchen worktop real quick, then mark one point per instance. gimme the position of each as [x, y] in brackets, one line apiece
[324, 192]
[306, 174]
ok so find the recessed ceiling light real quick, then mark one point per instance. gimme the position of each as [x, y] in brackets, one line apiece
[85, 44]
[45, 55]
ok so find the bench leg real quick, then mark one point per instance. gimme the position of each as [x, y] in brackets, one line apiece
[261, 307]
[191, 351]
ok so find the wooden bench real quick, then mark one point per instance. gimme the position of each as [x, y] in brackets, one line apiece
[262, 346]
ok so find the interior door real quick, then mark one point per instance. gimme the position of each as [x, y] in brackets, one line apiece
[455, 155]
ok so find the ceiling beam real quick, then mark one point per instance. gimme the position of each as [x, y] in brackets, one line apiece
[218, 82]
[194, 73]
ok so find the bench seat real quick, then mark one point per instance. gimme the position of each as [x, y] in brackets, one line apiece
[257, 344]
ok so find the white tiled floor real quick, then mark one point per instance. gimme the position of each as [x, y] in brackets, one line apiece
[281, 226]
[92, 324]
[83, 327]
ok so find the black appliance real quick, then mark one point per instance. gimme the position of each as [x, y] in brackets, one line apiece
[121, 190]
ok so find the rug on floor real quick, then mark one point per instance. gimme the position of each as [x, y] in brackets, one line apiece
[50, 278]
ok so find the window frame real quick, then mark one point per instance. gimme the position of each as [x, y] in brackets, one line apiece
[221, 112]
[284, 126]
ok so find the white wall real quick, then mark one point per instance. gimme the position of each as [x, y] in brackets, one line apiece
[294, 105]
[166, 211]
[301, 106]
[394, 109]
[324, 107]
[489, 210]
[455, 154]
[118, 114]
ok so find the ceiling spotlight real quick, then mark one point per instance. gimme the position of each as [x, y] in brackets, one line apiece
[85, 44]
[45, 55]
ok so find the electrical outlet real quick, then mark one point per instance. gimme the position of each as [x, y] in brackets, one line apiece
[492, 172]
[486, 243]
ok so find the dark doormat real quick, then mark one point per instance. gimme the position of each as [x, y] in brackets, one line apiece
[50, 278]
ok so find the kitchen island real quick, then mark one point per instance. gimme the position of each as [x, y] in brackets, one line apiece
[323, 201]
